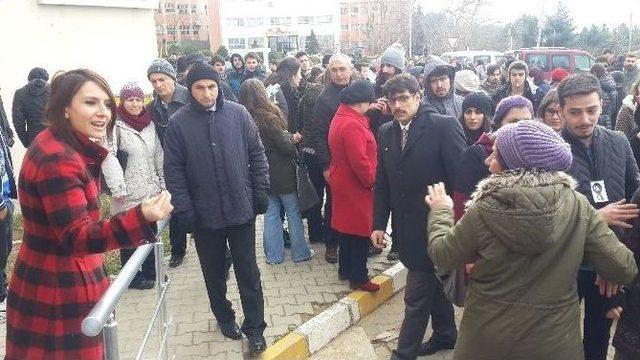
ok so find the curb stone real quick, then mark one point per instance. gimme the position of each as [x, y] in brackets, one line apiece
[314, 334]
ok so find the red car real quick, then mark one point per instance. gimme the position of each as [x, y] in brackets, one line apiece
[550, 58]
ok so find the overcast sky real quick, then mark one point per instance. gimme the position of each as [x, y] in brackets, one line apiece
[584, 12]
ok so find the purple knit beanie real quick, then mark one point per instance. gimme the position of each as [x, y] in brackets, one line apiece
[531, 144]
[131, 89]
[509, 103]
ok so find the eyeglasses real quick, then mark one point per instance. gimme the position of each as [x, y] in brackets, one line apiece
[401, 98]
[550, 112]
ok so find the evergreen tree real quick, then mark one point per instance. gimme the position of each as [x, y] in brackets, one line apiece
[313, 47]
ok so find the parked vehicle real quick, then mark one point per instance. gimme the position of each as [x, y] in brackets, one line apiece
[550, 58]
[468, 56]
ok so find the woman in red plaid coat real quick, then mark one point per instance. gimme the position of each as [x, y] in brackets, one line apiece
[59, 274]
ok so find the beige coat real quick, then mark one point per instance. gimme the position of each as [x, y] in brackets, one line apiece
[528, 233]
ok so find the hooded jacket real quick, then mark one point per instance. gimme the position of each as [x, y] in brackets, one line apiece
[432, 153]
[528, 232]
[28, 110]
[161, 114]
[609, 99]
[625, 122]
[451, 104]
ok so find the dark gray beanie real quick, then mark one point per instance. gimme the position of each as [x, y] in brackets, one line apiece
[161, 66]
[361, 91]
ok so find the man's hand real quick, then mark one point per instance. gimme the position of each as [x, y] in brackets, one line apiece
[607, 288]
[297, 137]
[614, 313]
[437, 197]
[616, 213]
[378, 240]
[382, 106]
[325, 174]
[3, 214]
[158, 207]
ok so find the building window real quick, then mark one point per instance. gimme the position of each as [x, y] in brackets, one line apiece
[258, 21]
[281, 20]
[185, 29]
[171, 30]
[235, 21]
[182, 8]
[354, 9]
[168, 7]
[256, 42]
[159, 30]
[194, 8]
[283, 43]
[236, 43]
[196, 28]
[344, 27]
[325, 40]
[326, 19]
[305, 20]
[344, 10]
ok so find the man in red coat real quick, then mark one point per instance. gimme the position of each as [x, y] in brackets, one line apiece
[352, 173]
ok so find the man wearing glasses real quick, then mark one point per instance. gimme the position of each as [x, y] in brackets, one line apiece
[420, 147]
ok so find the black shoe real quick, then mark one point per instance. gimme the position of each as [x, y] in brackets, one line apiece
[230, 330]
[176, 260]
[434, 345]
[257, 343]
[142, 284]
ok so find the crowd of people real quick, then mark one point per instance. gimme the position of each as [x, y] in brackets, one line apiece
[523, 183]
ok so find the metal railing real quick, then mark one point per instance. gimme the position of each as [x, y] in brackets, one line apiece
[101, 318]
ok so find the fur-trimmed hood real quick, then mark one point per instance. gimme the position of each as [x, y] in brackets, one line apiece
[628, 102]
[523, 208]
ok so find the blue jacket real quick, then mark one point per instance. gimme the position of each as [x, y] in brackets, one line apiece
[215, 165]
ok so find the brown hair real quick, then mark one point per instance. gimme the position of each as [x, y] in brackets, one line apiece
[64, 86]
[268, 117]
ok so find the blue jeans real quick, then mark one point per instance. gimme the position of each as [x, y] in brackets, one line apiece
[273, 238]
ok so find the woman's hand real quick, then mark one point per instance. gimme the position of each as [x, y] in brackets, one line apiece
[437, 197]
[614, 313]
[157, 208]
[297, 137]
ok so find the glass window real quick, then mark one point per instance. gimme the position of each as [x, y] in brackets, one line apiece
[326, 19]
[258, 21]
[539, 60]
[236, 43]
[344, 27]
[305, 20]
[344, 10]
[159, 30]
[168, 7]
[171, 30]
[235, 21]
[560, 61]
[283, 43]
[583, 62]
[354, 9]
[256, 42]
[194, 8]
[281, 20]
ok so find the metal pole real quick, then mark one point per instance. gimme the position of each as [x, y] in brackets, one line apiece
[411, 30]
[158, 249]
[630, 29]
[110, 333]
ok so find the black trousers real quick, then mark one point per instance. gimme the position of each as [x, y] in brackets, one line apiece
[597, 326]
[177, 237]
[314, 215]
[211, 245]
[148, 269]
[6, 244]
[352, 262]
[424, 297]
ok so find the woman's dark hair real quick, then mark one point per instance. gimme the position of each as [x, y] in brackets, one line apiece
[252, 55]
[550, 98]
[287, 69]
[492, 68]
[315, 74]
[216, 59]
[64, 86]
[236, 56]
[598, 70]
[269, 119]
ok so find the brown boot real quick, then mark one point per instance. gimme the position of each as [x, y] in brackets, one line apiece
[331, 255]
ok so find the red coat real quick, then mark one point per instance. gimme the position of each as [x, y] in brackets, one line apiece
[59, 274]
[352, 172]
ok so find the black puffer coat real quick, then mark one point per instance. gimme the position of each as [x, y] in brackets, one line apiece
[28, 110]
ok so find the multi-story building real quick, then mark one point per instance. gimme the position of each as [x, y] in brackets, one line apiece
[180, 20]
[369, 26]
[245, 25]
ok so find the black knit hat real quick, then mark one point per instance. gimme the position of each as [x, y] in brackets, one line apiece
[361, 91]
[201, 71]
[38, 73]
[478, 100]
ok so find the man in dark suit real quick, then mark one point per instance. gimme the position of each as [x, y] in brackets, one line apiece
[418, 148]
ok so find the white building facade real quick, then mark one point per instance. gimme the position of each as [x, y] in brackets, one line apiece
[277, 25]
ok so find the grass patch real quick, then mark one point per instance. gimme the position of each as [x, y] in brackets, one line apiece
[111, 258]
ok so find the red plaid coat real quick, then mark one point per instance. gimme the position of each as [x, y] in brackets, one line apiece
[59, 274]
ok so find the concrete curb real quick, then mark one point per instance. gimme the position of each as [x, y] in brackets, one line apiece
[314, 334]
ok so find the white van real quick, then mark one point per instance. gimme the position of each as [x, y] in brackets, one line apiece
[469, 56]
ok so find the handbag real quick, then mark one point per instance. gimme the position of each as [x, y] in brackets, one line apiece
[307, 195]
[454, 285]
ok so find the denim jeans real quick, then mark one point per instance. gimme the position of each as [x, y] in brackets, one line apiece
[273, 237]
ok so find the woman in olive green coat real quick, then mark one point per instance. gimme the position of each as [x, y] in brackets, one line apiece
[528, 231]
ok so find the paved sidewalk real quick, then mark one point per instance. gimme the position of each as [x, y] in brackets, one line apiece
[378, 332]
[293, 294]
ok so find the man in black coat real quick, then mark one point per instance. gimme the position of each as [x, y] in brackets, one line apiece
[607, 174]
[316, 133]
[419, 148]
[216, 169]
[28, 106]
